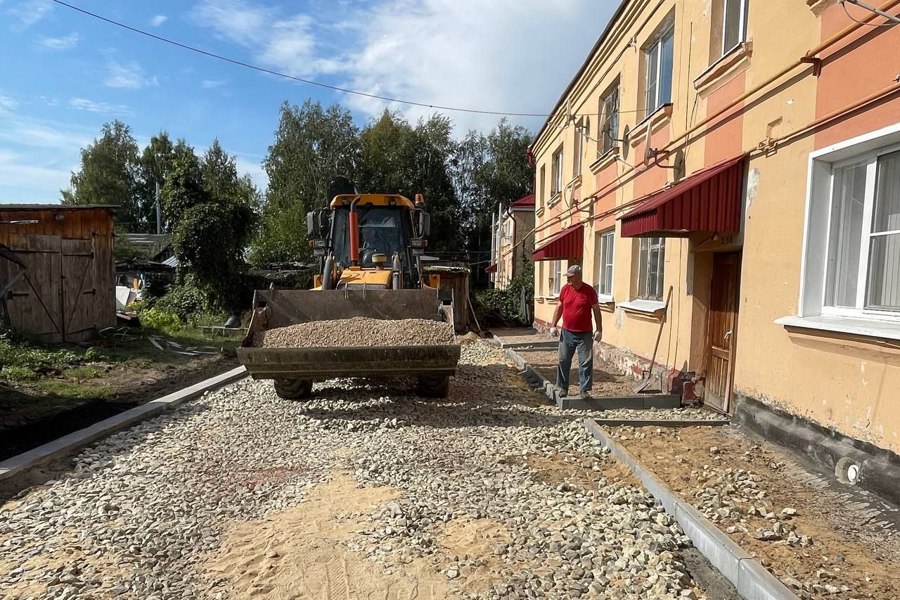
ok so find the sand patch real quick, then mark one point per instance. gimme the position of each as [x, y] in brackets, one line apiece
[476, 540]
[298, 554]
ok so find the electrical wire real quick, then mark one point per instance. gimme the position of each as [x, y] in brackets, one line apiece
[852, 18]
[260, 69]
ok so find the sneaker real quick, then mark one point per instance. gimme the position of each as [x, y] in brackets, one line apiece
[584, 396]
[561, 392]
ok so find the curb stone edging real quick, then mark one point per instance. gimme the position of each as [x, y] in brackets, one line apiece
[68, 444]
[750, 578]
[541, 383]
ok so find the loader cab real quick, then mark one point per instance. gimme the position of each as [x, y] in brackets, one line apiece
[388, 241]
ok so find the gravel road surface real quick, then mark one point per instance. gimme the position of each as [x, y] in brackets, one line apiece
[364, 492]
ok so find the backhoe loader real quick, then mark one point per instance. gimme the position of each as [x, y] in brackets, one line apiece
[368, 249]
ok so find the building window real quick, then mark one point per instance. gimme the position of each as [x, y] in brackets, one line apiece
[651, 260]
[608, 131]
[734, 24]
[658, 56]
[556, 276]
[556, 172]
[863, 247]
[543, 188]
[579, 149]
[605, 247]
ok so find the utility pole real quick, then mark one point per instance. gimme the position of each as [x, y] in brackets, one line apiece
[158, 212]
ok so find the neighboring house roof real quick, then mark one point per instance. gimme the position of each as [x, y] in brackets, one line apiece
[5, 207]
[154, 245]
[524, 202]
[171, 261]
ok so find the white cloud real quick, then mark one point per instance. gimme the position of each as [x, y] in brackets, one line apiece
[211, 84]
[29, 12]
[158, 20]
[504, 55]
[128, 76]
[285, 43]
[472, 54]
[99, 107]
[60, 43]
[8, 103]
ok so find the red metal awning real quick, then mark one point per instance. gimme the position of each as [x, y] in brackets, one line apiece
[492, 268]
[568, 244]
[709, 200]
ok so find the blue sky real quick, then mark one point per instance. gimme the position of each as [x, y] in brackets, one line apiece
[64, 74]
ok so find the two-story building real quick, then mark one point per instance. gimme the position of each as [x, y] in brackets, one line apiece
[727, 172]
[512, 242]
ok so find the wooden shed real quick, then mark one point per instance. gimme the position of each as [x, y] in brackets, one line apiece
[56, 270]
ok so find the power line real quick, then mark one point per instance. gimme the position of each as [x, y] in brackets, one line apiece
[291, 77]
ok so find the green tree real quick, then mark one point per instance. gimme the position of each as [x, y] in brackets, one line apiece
[213, 216]
[490, 171]
[399, 158]
[156, 162]
[109, 174]
[312, 145]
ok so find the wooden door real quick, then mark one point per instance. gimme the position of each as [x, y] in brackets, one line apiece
[722, 330]
[79, 289]
[34, 301]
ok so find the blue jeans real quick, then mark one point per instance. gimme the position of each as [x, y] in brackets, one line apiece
[569, 341]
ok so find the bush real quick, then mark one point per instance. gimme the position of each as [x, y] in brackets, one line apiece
[185, 300]
[506, 306]
[160, 320]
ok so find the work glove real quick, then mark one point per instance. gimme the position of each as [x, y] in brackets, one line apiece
[554, 332]
[598, 335]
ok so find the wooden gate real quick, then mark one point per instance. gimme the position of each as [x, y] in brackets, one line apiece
[722, 330]
[54, 298]
[79, 288]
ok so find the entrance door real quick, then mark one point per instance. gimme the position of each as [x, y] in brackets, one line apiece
[723, 313]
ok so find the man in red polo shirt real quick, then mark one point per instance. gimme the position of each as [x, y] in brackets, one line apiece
[577, 301]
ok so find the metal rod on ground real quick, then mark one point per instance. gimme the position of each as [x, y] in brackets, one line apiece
[474, 316]
[644, 386]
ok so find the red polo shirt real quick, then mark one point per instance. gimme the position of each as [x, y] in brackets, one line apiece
[576, 307]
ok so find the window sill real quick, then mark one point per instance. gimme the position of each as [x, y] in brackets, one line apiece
[870, 328]
[554, 199]
[653, 121]
[606, 159]
[646, 307]
[539, 212]
[739, 56]
[575, 182]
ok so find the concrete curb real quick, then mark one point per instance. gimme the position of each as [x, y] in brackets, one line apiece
[662, 422]
[68, 444]
[752, 580]
[637, 402]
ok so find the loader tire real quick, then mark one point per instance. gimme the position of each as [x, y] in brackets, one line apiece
[293, 389]
[433, 387]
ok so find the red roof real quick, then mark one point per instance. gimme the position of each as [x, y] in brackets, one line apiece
[524, 202]
[709, 200]
[568, 244]
[492, 268]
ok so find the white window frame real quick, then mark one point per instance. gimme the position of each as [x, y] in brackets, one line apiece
[645, 245]
[579, 150]
[742, 25]
[655, 69]
[556, 172]
[607, 138]
[813, 277]
[605, 240]
[555, 279]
